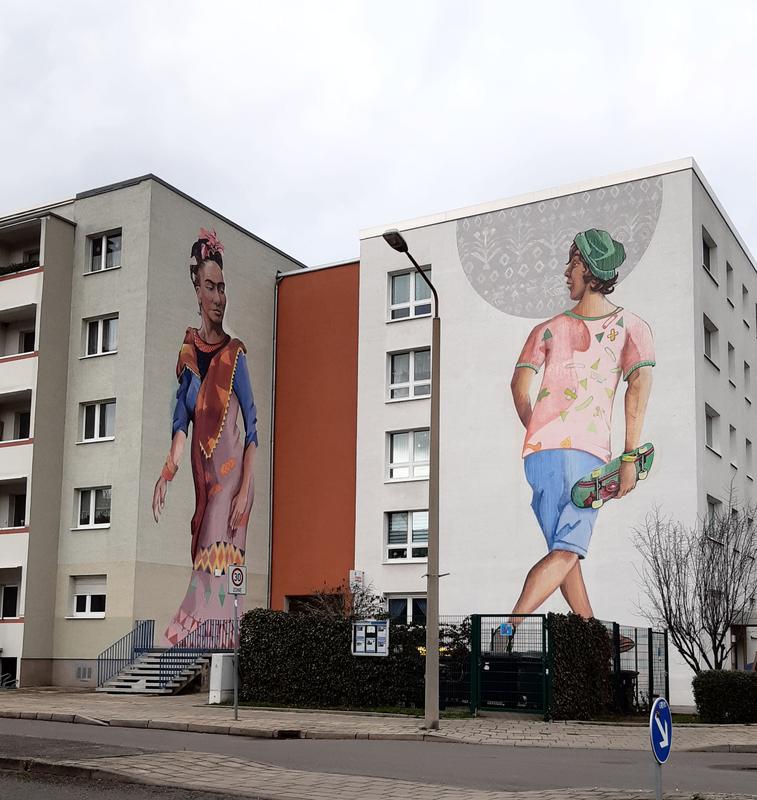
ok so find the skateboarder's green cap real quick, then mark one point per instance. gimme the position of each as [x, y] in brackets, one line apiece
[600, 252]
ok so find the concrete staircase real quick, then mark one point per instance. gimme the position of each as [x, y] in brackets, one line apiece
[143, 675]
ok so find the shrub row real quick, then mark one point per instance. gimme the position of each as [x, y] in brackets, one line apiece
[304, 660]
[726, 696]
[581, 655]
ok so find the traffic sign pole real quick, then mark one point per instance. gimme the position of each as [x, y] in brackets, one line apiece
[661, 739]
[236, 656]
[237, 585]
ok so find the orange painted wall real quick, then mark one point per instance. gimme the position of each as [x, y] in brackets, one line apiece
[315, 432]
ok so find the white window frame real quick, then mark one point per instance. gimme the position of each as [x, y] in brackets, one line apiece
[731, 365]
[412, 384]
[733, 446]
[88, 587]
[709, 247]
[412, 304]
[713, 507]
[748, 458]
[711, 336]
[103, 239]
[415, 468]
[711, 428]
[92, 498]
[408, 598]
[747, 382]
[408, 544]
[99, 411]
[3, 587]
[99, 321]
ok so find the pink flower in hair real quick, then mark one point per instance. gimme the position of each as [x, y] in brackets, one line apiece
[211, 245]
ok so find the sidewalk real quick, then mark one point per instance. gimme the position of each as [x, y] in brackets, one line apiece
[191, 713]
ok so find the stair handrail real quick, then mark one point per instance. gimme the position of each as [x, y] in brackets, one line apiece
[210, 636]
[126, 650]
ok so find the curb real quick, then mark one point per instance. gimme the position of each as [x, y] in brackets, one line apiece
[299, 733]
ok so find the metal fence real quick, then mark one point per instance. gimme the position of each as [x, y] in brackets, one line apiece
[483, 664]
[123, 652]
[639, 666]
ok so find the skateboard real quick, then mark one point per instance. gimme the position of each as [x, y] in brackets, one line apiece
[603, 483]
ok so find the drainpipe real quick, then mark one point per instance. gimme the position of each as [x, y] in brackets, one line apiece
[279, 276]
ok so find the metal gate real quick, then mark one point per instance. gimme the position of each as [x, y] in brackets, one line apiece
[509, 663]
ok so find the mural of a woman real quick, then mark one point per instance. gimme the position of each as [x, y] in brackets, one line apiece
[214, 385]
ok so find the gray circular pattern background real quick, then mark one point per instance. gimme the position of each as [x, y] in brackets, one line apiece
[515, 258]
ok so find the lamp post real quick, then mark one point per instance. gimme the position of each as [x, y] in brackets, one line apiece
[396, 241]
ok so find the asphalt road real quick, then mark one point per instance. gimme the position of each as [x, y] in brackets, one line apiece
[474, 766]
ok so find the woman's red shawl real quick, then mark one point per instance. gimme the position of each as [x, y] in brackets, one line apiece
[209, 414]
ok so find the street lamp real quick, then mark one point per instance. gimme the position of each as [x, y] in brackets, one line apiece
[396, 241]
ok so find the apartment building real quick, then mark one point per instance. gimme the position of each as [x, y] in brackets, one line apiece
[95, 299]
[498, 268]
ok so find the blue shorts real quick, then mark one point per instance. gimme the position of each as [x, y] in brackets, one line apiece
[551, 474]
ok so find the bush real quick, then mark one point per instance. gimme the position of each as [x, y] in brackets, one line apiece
[581, 655]
[304, 660]
[726, 696]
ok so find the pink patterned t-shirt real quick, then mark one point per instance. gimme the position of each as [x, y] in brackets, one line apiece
[583, 358]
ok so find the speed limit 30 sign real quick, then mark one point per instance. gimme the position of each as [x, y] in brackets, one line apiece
[237, 579]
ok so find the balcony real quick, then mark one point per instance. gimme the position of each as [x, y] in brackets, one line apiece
[18, 331]
[13, 506]
[20, 247]
[20, 276]
[15, 417]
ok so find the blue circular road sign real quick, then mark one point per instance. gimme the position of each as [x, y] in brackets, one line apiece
[661, 729]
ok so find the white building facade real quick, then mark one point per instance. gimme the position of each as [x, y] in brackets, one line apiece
[498, 269]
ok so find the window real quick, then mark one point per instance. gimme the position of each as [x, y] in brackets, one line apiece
[710, 339]
[19, 510]
[748, 456]
[102, 336]
[26, 342]
[94, 507]
[407, 535]
[89, 596]
[708, 253]
[31, 257]
[408, 455]
[105, 251]
[23, 424]
[732, 451]
[409, 295]
[729, 282]
[8, 602]
[711, 428]
[745, 304]
[731, 364]
[98, 421]
[410, 375]
[713, 508]
[747, 381]
[408, 610]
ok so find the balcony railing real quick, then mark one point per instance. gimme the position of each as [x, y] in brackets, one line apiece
[20, 266]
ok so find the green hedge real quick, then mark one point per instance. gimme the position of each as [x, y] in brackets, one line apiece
[304, 660]
[726, 696]
[581, 655]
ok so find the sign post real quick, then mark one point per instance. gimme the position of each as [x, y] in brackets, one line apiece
[237, 585]
[661, 738]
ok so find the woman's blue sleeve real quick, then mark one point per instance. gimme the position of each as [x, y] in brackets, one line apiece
[243, 391]
[181, 414]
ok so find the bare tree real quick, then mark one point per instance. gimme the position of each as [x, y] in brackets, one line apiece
[699, 581]
[350, 602]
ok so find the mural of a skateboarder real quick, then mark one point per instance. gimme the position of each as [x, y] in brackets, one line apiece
[584, 352]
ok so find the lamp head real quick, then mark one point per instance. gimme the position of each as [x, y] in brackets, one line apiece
[395, 240]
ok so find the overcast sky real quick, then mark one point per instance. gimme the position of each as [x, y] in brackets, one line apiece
[307, 121]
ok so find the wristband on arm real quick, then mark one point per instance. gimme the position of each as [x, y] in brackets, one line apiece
[169, 469]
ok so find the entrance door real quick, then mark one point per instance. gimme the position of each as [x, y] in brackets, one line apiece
[8, 671]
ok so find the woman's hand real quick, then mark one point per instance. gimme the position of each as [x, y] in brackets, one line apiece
[159, 497]
[238, 509]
